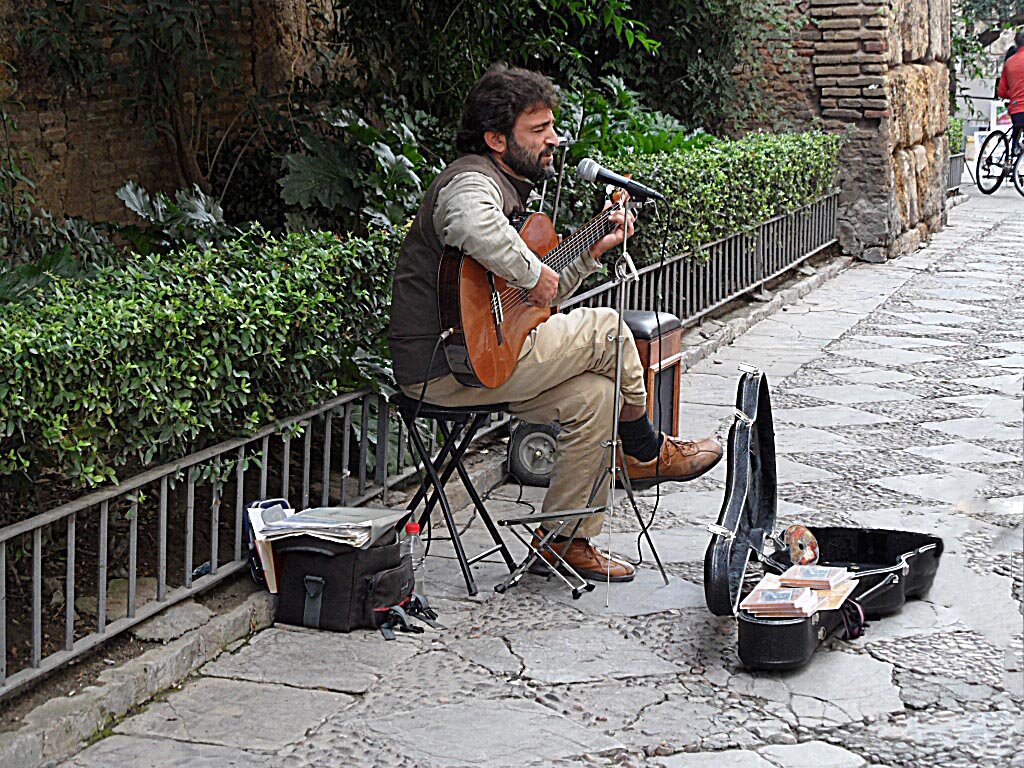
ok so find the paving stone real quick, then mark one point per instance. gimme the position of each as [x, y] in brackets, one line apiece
[855, 393]
[569, 655]
[872, 376]
[487, 733]
[233, 713]
[674, 546]
[680, 722]
[1008, 384]
[976, 429]
[734, 758]
[1009, 361]
[916, 617]
[905, 342]
[963, 453]
[811, 440]
[174, 622]
[820, 694]
[891, 357]
[836, 415]
[490, 652]
[1009, 346]
[938, 318]
[116, 751]
[789, 471]
[945, 305]
[925, 329]
[811, 753]
[965, 294]
[334, 661]
[1008, 410]
[647, 593]
[953, 485]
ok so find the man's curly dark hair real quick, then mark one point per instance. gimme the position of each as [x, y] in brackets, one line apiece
[496, 100]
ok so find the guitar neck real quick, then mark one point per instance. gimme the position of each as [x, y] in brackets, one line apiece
[581, 241]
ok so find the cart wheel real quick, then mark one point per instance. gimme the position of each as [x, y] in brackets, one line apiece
[531, 453]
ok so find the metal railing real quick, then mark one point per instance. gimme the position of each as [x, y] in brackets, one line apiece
[728, 268]
[353, 450]
[956, 172]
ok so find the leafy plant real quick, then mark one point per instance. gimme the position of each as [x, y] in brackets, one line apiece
[721, 189]
[33, 244]
[955, 134]
[159, 354]
[190, 217]
[171, 59]
[612, 120]
[359, 169]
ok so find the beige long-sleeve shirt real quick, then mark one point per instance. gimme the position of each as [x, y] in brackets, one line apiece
[468, 215]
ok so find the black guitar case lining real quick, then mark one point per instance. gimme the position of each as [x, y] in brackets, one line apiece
[891, 566]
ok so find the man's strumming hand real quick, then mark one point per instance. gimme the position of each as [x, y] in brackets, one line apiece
[544, 292]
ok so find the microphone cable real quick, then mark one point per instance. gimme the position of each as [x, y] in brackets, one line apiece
[645, 527]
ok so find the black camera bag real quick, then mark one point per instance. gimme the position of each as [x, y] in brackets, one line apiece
[327, 585]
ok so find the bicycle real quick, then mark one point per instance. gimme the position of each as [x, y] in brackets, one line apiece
[996, 161]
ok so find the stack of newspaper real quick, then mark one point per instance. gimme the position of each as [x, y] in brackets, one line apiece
[357, 527]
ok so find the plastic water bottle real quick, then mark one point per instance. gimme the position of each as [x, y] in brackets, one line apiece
[411, 544]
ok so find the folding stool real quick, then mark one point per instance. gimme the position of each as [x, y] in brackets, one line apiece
[458, 426]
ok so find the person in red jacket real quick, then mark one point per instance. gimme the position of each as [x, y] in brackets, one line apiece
[1011, 86]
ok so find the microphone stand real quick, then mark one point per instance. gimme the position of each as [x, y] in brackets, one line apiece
[625, 271]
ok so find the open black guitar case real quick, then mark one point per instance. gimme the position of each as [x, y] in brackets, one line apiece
[891, 566]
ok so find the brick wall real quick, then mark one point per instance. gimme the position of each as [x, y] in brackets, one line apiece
[877, 72]
[79, 149]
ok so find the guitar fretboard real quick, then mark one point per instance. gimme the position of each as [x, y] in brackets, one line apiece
[580, 242]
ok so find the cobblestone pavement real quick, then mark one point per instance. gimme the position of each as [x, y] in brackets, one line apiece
[897, 396]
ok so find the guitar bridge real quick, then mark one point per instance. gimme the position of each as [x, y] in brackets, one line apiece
[496, 309]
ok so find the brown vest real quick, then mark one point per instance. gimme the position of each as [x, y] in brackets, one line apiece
[415, 325]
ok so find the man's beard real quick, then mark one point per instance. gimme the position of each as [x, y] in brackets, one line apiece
[526, 165]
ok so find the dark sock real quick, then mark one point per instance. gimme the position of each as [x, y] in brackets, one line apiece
[541, 533]
[640, 439]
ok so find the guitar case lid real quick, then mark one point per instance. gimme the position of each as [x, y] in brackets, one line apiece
[747, 517]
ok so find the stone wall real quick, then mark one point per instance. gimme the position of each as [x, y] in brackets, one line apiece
[877, 73]
[79, 149]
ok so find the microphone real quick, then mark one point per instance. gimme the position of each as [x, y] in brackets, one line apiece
[592, 171]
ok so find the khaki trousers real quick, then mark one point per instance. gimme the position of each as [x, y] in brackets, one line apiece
[565, 374]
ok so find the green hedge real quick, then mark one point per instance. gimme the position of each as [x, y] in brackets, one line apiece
[955, 135]
[722, 188]
[145, 359]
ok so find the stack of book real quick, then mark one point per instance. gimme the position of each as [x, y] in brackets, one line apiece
[780, 602]
[779, 596]
[814, 576]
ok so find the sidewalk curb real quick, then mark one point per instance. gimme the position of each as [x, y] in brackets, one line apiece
[56, 730]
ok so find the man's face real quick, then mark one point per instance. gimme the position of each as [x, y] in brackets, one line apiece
[529, 149]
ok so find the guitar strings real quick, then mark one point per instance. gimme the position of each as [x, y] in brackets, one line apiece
[564, 254]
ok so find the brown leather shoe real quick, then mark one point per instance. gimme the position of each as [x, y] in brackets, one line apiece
[586, 559]
[679, 460]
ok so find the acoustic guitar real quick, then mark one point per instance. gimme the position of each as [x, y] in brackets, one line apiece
[490, 320]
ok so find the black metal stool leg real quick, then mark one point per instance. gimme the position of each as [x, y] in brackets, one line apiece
[449, 519]
[477, 501]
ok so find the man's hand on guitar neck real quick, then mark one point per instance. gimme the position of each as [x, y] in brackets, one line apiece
[544, 292]
[614, 238]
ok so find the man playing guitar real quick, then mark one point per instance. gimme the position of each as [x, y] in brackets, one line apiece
[565, 371]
